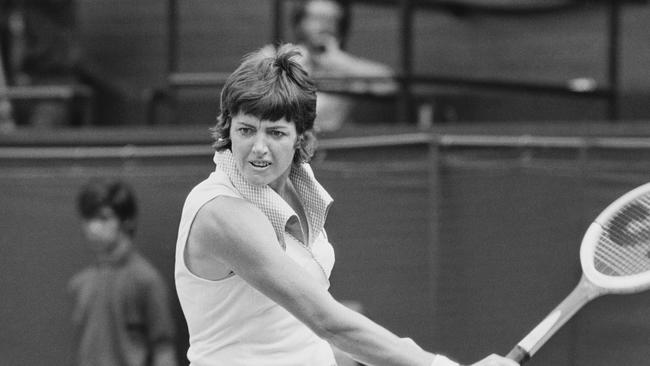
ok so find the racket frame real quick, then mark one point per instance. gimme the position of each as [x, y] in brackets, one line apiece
[610, 284]
[592, 283]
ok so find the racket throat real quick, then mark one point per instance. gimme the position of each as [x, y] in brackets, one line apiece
[581, 294]
[518, 355]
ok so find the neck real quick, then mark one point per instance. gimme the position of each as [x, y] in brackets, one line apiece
[121, 247]
[281, 184]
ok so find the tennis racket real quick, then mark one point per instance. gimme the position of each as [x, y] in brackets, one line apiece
[615, 259]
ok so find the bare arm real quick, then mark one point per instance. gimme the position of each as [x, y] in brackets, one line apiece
[242, 237]
[331, 61]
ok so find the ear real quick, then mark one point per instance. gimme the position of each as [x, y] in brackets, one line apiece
[299, 141]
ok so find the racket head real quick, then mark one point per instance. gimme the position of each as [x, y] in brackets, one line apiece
[615, 251]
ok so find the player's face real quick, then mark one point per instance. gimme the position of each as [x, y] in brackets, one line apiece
[103, 231]
[263, 149]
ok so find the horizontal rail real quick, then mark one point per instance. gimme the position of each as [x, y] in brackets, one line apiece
[574, 87]
[103, 152]
[197, 79]
[407, 139]
[546, 141]
[514, 141]
[417, 138]
[496, 7]
[45, 92]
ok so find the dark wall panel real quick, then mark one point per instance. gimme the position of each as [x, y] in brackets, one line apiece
[509, 222]
[126, 42]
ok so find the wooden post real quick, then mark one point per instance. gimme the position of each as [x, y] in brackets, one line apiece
[613, 56]
[7, 122]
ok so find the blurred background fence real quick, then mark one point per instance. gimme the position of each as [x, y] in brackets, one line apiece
[458, 238]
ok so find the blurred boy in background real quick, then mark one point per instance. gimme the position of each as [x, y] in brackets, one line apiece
[121, 309]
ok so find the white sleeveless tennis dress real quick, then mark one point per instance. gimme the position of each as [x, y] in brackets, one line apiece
[232, 324]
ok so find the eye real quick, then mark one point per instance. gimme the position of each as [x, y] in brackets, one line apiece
[277, 133]
[245, 131]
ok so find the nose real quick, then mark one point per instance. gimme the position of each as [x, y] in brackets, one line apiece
[260, 146]
[92, 226]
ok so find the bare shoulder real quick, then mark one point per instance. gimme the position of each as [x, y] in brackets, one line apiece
[367, 67]
[223, 230]
[229, 223]
[226, 216]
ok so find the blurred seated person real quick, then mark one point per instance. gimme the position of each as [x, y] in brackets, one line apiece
[38, 40]
[320, 28]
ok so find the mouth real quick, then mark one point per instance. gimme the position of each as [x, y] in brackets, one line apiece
[260, 164]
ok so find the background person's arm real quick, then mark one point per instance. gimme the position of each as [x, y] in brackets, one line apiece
[160, 324]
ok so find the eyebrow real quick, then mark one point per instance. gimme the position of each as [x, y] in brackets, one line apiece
[277, 127]
[242, 122]
[273, 125]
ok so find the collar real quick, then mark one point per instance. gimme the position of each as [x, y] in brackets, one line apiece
[315, 199]
[116, 259]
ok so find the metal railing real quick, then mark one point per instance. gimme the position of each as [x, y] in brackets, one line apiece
[406, 78]
[134, 151]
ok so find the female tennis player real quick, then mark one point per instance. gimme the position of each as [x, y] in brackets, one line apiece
[252, 257]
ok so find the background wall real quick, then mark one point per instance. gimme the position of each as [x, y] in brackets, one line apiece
[126, 40]
[464, 250]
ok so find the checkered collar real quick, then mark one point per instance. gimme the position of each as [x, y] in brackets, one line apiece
[315, 199]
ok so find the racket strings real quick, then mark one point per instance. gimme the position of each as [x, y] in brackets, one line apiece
[612, 260]
[624, 247]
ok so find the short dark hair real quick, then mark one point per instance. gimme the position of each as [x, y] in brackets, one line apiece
[343, 27]
[270, 84]
[99, 193]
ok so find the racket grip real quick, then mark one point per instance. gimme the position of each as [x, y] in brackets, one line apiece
[519, 355]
